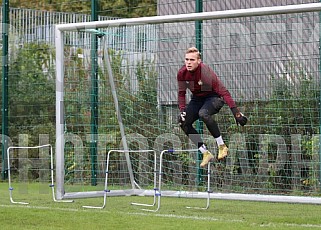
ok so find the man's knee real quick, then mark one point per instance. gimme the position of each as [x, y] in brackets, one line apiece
[204, 115]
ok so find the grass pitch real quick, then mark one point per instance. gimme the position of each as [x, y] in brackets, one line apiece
[43, 213]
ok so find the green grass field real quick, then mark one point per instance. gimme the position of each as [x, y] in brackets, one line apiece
[44, 213]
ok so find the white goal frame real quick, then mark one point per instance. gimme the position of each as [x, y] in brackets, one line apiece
[59, 40]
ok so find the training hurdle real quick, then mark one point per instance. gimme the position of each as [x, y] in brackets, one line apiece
[51, 172]
[158, 176]
[106, 190]
[159, 191]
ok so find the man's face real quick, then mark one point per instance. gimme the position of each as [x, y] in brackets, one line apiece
[192, 61]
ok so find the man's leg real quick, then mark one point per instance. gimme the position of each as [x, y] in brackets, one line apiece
[192, 111]
[212, 106]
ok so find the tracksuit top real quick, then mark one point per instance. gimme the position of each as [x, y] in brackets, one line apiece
[202, 82]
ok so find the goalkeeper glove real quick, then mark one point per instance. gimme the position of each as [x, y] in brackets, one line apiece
[181, 118]
[239, 117]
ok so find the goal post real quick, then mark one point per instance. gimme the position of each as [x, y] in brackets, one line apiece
[267, 57]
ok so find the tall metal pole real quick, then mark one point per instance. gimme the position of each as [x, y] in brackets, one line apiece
[199, 46]
[198, 26]
[320, 96]
[94, 97]
[5, 71]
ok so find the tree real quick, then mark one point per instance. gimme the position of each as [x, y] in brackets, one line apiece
[128, 8]
[112, 8]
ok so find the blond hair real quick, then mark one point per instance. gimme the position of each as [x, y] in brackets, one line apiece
[194, 50]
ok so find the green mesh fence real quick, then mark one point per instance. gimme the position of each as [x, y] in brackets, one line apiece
[270, 64]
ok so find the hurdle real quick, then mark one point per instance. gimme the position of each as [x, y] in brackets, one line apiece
[157, 183]
[106, 190]
[155, 194]
[159, 195]
[51, 173]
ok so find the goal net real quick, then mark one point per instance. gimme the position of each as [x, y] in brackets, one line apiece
[116, 90]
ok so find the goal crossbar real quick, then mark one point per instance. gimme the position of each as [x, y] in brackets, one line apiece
[261, 11]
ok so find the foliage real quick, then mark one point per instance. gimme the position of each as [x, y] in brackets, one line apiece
[145, 99]
[118, 8]
[138, 102]
[77, 105]
[293, 108]
[31, 92]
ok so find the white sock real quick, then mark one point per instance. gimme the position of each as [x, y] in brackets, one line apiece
[219, 141]
[203, 149]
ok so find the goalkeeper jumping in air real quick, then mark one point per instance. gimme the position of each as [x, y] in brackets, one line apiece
[208, 97]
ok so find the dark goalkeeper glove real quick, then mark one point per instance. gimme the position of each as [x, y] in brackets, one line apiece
[239, 117]
[181, 117]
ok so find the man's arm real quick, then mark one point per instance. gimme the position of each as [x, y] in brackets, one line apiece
[181, 95]
[219, 87]
[181, 91]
